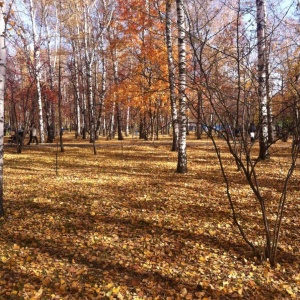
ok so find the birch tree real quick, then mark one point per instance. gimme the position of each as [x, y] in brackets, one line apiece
[77, 99]
[52, 57]
[261, 68]
[37, 67]
[116, 81]
[2, 92]
[171, 68]
[112, 38]
[74, 28]
[89, 59]
[103, 87]
[105, 11]
[182, 157]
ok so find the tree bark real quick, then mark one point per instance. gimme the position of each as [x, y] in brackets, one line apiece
[2, 93]
[60, 99]
[119, 121]
[262, 91]
[37, 71]
[50, 114]
[116, 96]
[89, 58]
[199, 115]
[77, 98]
[171, 69]
[103, 89]
[127, 121]
[182, 157]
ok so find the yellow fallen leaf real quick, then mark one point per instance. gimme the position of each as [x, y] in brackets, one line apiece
[74, 284]
[252, 283]
[4, 259]
[63, 287]
[120, 296]
[79, 272]
[29, 258]
[38, 294]
[16, 247]
[212, 232]
[109, 285]
[289, 290]
[116, 290]
[46, 281]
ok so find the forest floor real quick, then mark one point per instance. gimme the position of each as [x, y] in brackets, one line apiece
[123, 224]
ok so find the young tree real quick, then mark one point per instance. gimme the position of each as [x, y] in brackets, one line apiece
[228, 79]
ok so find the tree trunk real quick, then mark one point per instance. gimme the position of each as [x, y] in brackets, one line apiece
[59, 107]
[37, 71]
[84, 117]
[269, 99]
[262, 92]
[89, 57]
[90, 102]
[2, 93]
[77, 98]
[104, 126]
[116, 81]
[127, 121]
[110, 134]
[119, 121]
[50, 112]
[103, 89]
[171, 68]
[199, 115]
[182, 157]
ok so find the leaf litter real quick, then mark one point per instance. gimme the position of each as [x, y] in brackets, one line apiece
[123, 225]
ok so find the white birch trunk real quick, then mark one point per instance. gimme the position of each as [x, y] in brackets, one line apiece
[49, 54]
[261, 65]
[115, 73]
[77, 97]
[77, 90]
[37, 70]
[103, 86]
[104, 125]
[111, 122]
[127, 121]
[182, 157]
[171, 68]
[2, 93]
[84, 117]
[118, 105]
[89, 56]
[51, 62]
[90, 101]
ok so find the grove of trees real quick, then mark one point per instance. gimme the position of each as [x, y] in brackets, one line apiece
[116, 67]
[113, 68]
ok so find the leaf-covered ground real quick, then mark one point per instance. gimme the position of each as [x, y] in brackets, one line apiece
[123, 225]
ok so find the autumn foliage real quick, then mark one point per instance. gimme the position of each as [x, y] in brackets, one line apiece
[116, 221]
[123, 225]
